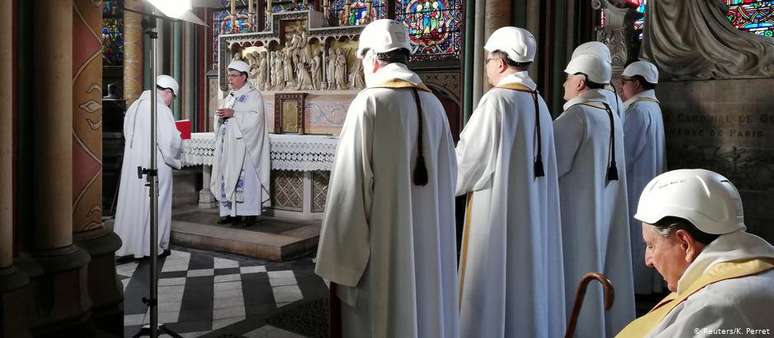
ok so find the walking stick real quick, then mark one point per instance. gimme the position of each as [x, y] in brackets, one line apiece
[581, 293]
[334, 313]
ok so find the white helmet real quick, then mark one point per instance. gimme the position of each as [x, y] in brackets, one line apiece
[239, 66]
[517, 43]
[594, 48]
[705, 198]
[596, 69]
[383, 36]
[168, 82]
[642, 68]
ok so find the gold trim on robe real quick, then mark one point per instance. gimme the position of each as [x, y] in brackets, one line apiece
[642, 326]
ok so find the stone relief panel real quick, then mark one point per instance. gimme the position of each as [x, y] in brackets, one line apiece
[693, 40]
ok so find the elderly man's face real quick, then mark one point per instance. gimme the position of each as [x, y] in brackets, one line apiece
[667, 254]
[236, 79]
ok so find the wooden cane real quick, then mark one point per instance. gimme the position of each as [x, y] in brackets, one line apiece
[334, 313]
[581, 293]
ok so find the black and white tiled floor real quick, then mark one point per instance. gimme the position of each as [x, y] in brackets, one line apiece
[207, 294]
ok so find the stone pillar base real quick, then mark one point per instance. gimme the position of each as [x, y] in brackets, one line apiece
[206, 199]
[62, 303]
[105, 290]
[15, 307]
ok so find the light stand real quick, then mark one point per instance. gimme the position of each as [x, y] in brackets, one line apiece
[152, 179]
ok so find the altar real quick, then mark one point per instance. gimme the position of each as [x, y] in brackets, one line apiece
[300, 169]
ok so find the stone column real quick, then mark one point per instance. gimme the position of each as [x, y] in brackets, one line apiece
[133, 51]
[62, 299]
[479, 75]
[13, 291]
[177, 66]
[88, 230]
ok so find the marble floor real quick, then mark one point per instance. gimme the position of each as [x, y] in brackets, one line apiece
[208, 294]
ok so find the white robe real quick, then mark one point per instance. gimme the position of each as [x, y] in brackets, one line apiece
[511, 261]
[388, 244]
[613, 100]
[595, 218]
[240, 172]
[132, 221]
[645, 159]
[744, 302]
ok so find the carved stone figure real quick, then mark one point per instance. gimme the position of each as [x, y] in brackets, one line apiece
[341, 70]
[304, 80]
[357, 78]
[280, 72]
[702, 44]
[330, 74]
[262, 71]
[289, 76]
[317, 70]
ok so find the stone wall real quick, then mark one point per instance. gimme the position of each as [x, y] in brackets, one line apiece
[726, 126]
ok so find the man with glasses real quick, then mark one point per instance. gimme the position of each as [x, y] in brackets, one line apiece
[511, 260]
[645, 157]
[240, 172]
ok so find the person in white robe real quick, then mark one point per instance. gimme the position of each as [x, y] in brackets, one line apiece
[132, 220]
[511, 272]
[240, 171]
[600, 50]
[721, 277]
[592, 185]
[387, 244]
[644, 147]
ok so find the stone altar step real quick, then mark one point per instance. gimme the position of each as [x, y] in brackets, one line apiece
[270, 238]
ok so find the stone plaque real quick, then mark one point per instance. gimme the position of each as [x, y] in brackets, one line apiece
[726, 126]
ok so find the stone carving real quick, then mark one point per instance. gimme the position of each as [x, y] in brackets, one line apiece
[341, 69]
[357, 78]
[331, 69]
[289, 77]
[317, 70]
[693, 40]
[262, 71]
[304, 79]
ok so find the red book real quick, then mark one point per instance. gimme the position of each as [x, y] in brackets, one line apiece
[184, 126]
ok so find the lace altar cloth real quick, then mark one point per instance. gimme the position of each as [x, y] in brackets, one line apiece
[288, 152]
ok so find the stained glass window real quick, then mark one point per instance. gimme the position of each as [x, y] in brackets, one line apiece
[355, 13]
[222, 24]
[435, 27]
[113, 33]
[755, 16]
[287, 6]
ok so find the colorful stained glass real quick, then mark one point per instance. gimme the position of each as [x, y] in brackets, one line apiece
[435, 27]
[113, 33]
[357, 12]
[755, 16]
[288, 6]
[222, 24]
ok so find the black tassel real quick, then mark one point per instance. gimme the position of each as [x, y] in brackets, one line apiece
[539, 172]
[420, 171]
[612, 172]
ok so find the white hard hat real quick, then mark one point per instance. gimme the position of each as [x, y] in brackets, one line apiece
[239, 66]
[705, 198]
[517, 43]
[383, 36]
[642, 68]
[168, 82]
[596, 69]
[594, 48]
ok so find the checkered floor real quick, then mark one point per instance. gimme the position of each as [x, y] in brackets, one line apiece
[206, 294]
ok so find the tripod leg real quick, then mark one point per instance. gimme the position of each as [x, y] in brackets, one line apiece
[165, 329]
